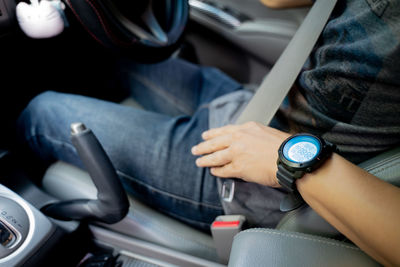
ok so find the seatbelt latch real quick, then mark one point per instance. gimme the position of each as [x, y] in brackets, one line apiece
[223, 229]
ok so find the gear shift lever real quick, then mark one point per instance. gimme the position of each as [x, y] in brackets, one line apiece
[112, 203]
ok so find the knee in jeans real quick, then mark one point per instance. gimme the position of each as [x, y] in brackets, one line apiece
[38, 109]
[41, 103]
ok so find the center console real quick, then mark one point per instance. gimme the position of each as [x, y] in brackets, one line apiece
[23, 229]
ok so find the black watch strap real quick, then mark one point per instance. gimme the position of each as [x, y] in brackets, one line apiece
[287, 179]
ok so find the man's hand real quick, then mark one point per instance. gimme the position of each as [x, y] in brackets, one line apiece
[248, 151]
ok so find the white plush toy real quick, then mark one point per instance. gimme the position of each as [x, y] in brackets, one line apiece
[40, 20]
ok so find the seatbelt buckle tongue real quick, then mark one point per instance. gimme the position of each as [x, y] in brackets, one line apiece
[223, 229]
[228, 190]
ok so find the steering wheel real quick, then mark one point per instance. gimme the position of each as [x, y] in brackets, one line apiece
[145, 29]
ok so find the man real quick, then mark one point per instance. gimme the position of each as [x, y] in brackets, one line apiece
[347, 93]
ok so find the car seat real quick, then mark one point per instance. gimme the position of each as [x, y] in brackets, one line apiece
[302, 236]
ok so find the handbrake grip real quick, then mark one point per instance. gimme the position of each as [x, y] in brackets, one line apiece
[112, 203]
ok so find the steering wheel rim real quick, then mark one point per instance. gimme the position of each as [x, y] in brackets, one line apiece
[145, 39]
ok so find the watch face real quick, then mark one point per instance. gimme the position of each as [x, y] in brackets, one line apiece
[301, 149]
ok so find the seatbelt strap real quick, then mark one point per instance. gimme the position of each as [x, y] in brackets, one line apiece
[276, 85]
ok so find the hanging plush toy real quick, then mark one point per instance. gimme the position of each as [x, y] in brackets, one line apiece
[44, 19]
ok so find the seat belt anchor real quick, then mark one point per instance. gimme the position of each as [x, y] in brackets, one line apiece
[223, 230]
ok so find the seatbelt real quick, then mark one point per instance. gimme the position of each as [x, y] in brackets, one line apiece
[276, 85]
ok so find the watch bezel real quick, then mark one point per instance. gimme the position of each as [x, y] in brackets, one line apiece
[307, 166]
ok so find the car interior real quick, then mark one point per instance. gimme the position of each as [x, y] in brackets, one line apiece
[44, 217]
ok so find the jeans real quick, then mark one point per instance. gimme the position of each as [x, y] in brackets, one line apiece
[149, 148]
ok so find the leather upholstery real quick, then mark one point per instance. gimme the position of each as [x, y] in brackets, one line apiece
[268, 247]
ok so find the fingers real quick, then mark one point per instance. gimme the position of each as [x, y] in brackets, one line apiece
[212, 145]
[225, 171]
[218, 158]
[212, 133]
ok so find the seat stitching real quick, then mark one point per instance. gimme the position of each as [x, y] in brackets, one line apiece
[265, 231]
[381, 162]
[377, 171]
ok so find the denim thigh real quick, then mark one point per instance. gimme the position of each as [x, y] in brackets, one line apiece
[150, 151]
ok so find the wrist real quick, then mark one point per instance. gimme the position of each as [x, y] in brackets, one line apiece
[307, 184]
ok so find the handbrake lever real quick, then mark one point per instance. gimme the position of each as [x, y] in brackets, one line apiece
[112, 203]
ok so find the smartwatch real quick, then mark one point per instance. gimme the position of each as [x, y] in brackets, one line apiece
[298, 155]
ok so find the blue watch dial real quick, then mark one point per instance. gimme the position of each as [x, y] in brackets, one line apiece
[301, 149]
